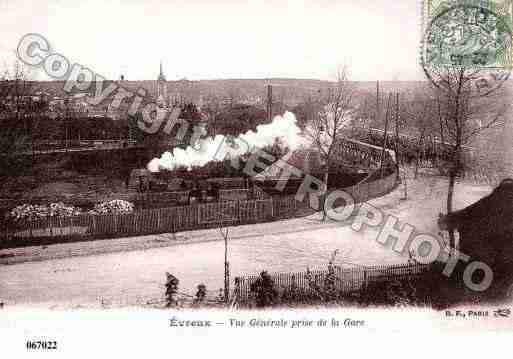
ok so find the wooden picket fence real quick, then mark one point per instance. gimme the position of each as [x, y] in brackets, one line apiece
[173, 219]
[344, 280]
[148, 221]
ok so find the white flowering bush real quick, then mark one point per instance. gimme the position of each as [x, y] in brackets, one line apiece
[34, 211]
[117, 206]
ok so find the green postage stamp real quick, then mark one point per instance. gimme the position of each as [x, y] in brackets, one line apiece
[470, 33]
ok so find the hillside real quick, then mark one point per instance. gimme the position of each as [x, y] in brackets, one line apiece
[290, 90]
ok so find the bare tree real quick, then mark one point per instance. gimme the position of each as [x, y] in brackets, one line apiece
[365, 112]
[464, 109]
[334, 110]
[399, 117]
[19, 112]
[419, 113]
[213, 109]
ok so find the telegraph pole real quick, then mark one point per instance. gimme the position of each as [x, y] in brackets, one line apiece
[226, 270]
[226, 264]
[378, 110]
[384, 137]
[269, 103]
[396, 114]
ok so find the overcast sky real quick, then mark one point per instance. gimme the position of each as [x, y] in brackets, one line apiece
[206, 39]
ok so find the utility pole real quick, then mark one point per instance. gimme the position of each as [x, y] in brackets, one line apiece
[226, 272]
[396, 147]
[384, 137]
[226, 267]
[399, 156]
[30, 118]
[66, 123]
[378, 109]
[442, 144]
[269, 103]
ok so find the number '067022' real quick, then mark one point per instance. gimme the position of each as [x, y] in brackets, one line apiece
[41, 345]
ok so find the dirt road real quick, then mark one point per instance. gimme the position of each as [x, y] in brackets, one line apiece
[135, 277]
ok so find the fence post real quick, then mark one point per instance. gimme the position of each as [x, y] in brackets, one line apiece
[30, 228]
[136, 219]
[173, 225]
[115, 223]
[238, 212]
[93, 229]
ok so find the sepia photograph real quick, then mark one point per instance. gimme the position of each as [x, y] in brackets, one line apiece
[186, 171]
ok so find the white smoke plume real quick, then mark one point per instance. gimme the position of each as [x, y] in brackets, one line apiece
[282, 128]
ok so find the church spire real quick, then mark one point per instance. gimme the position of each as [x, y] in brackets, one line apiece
[161, 87]
[162, 77]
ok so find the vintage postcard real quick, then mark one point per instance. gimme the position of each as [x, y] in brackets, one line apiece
[177, 175]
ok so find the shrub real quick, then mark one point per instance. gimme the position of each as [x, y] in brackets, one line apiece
[117, 206]
[33, 212]
[397, 292]
[171, 290]
[330, 290]
[264, 291]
